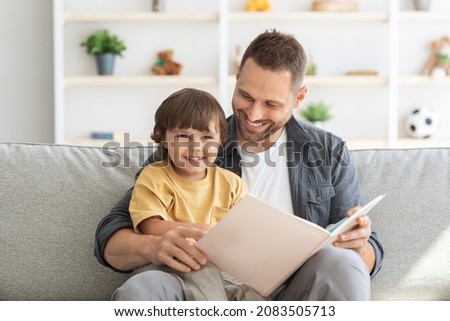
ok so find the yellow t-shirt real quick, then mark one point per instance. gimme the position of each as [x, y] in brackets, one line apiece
[159, 191]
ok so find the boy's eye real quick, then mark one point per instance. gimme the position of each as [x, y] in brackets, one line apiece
[183, 136]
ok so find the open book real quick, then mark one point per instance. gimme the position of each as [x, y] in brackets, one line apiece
[262, 246]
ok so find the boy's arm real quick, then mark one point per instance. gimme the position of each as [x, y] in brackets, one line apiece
[157, 226]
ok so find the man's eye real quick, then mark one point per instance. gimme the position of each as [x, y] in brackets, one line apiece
[246, 97]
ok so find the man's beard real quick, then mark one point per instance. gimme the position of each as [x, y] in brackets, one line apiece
[257, 138]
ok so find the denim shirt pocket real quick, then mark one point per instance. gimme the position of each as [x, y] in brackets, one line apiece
[319, 202]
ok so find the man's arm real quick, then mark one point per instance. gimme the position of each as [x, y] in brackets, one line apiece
[361, 239]
[118, 247]
[357, 239]
[118, 218]
[126, 249]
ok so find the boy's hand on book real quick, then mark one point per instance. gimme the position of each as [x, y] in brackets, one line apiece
[176, 249]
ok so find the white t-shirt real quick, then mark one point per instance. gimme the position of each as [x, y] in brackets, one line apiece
[266, 174]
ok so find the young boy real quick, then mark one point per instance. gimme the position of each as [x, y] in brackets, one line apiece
[186, 187]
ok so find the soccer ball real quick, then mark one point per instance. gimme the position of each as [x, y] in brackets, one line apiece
[422, 123]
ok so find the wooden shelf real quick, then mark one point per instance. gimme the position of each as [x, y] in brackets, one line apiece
[141, 16]
[423, 80]
[139, 80]
[422, 143]
[106, 143]
[346, 80]
[353, 144]
[309, 16]
[424, 16]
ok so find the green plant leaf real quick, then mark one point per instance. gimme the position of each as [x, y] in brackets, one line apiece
[316, 112]
[101, 41]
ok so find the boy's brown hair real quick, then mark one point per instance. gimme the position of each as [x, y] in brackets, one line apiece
[189, 108]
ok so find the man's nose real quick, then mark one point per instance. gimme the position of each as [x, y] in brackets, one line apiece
[255, 112]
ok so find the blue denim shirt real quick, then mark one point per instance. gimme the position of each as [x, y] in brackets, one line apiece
[324, 183]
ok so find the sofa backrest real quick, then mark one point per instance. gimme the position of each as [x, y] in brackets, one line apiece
[412, 221]
[52, 198]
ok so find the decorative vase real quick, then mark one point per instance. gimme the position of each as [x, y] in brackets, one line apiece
[105, 63]
[422, 4]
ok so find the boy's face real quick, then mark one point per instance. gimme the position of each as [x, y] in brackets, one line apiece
[192, 151]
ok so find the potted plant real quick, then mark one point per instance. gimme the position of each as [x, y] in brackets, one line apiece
[104, 47]
[316, 113]
[311, 67]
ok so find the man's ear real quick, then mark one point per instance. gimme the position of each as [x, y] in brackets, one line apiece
[301, 94]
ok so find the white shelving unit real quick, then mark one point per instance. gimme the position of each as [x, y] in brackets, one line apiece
[86, 102]
[377, 123]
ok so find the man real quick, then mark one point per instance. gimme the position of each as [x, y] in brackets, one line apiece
[290, 164]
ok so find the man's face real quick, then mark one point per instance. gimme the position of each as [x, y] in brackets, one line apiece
[263, 102]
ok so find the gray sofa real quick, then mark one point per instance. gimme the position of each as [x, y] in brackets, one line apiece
[52, 197]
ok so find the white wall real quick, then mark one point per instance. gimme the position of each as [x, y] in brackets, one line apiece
[26, 71]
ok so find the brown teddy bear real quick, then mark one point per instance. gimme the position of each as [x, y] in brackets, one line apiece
[439, 62]
[165, 65]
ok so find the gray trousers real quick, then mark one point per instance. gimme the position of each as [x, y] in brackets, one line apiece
[332, 274]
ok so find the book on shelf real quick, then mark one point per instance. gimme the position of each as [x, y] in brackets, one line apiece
[261, 245]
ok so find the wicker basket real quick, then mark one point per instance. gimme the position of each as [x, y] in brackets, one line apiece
[334, 6]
